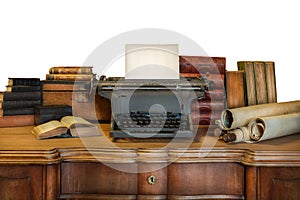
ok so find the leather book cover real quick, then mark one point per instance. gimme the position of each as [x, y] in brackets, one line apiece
[260, 82]
[249, 81]
[23, 88]
[271, 81]
[18, 111]
[235, 89]
[23, 81]
[16, 120]
[63, 85]
[20, 104]
[202, 64]
[71, 70]
[207, 105]
[205, 118]
[21, 96]
[71, 77]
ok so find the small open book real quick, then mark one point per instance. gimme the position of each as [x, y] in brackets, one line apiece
[67, 126]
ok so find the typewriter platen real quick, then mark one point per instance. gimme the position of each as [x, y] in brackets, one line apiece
[152, 108]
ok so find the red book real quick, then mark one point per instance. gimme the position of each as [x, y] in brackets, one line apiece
[16, 120]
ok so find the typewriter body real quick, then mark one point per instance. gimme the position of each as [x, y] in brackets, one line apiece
[152, 108]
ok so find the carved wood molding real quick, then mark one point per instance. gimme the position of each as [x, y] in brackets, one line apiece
[43, 157]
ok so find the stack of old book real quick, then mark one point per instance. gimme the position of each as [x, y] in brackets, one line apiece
[206, 111]
[73, 86]
[254, 83]
[19, 100]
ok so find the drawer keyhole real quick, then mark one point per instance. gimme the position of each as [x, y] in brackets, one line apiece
[151, 180]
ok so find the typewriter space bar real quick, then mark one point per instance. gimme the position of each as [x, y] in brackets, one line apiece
[149, 135]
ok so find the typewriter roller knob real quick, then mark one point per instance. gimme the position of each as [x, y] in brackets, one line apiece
[151, 180]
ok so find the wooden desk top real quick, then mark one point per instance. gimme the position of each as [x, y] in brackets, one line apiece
[19, 146]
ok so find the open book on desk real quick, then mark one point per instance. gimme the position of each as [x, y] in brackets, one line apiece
[68, 126]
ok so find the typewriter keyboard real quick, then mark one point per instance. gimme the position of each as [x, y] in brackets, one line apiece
[151, 122]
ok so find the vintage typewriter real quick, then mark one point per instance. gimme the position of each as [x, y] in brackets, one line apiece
[152, 108]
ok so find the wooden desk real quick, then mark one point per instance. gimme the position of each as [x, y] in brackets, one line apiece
[65, 169]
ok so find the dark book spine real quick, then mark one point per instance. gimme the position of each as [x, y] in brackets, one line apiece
[20, 104]
[58, 109]
[23, 88]
[18, 111]
[21, 96]
[24, 81]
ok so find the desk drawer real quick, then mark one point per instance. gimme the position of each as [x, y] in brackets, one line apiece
[96, 178]
[206, 179]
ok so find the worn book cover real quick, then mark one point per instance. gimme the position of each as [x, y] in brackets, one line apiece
[23, 81]
[249, 81]
[71, 70]
[260, 82]
[235, 89]
[271, 81]
[71, 77]
[16, 120]
[21, 96]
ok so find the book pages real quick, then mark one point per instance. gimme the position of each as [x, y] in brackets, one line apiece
[273, 127]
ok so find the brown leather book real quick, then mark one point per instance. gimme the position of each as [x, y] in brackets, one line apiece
[235, 89]
[271, 81]
[16, 120]
[71, 70]
[205, 118]
[207, 105]
[86, 106]
[249, 81]
[202, 64]
[71, 77]
[62, 85]
[260, 82]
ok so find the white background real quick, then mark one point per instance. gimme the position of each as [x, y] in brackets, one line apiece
[36, 35]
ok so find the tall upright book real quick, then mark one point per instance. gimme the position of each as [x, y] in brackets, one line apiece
[249, 81]
[271, 81]
[235, 89]
[260, 82]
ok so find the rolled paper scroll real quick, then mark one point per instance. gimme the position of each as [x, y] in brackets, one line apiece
[238, 117]
[240, 134]
[264, 128]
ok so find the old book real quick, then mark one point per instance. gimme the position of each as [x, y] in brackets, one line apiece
[202, 64]
[63, 85]
[44, 114]
[205, 118]
[65, 97]
[70, 124]
[16, 120]
[271, 81]
[23, 88]
[207, 105]
[18, 111]
[21, 96]
[23, 81]
[71, 70]
[249, 81]
[14, 104]
[260, 82]
[235, 89]
[71, 77]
